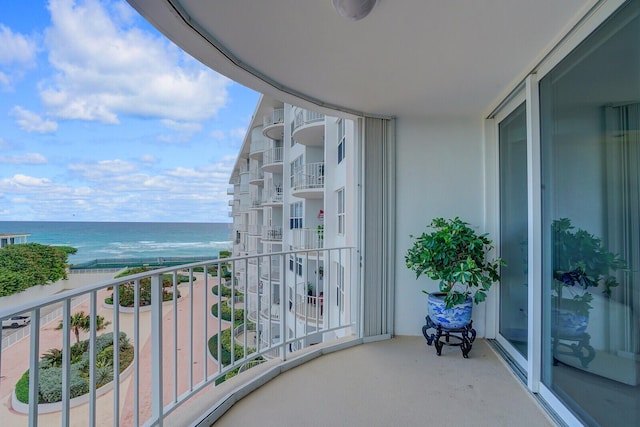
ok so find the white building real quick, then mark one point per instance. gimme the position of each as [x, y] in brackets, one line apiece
[294, 190]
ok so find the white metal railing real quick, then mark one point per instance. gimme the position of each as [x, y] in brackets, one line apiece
[272, 195]
[256, 174]
[307, 238]
[272, 155]
[272, 233]
[257, 146]
[308, 176]
[310, 308]
[304, 117]
[270, 269]
[230, 190]
[274, 118]
[156, 338]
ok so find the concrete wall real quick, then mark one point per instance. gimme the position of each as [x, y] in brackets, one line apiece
[439, 172]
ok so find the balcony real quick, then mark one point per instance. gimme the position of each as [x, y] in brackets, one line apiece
[256, 177]
[256, 148]
[310, 308]
[426, 389]
[307, 238]
[272, 160]
[308, 181]
[273, 124]
[230, 190]
[272, 234]
[308, 127]
[272, 196]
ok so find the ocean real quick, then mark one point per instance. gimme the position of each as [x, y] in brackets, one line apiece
[100, 240]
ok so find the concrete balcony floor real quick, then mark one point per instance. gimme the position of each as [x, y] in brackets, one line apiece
[397, 382]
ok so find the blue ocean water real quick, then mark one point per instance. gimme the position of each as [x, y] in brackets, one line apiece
[99, 240]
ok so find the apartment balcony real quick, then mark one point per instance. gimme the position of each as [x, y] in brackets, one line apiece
[272, 160]
[238, 226]
[174, 380]
[270, 270]
[307, 238]
[244, 188]
[308, 181]
[256, 149]
[272, 234]
[256, 177]
[255, 230]
[308, 127]
[310, 308]
[230, 190]
[272, 196]
[273, 124]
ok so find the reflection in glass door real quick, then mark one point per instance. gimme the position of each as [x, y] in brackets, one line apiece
[513, 228]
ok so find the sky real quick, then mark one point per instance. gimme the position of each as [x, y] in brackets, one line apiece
[102, 118]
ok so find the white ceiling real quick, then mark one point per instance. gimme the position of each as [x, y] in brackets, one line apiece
[407, 58]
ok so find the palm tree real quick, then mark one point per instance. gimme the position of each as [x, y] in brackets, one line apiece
[81, 321]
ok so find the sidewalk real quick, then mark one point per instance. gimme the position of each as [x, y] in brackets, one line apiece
[15, 362]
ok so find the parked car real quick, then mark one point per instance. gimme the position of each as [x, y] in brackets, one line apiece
[16, 321]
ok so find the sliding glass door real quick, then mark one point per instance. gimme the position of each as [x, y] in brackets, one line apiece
[512, 141]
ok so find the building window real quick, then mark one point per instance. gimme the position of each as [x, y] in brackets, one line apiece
[295, 215]
[295, 168]
[341, 140]
[299, 266]
[341, 214]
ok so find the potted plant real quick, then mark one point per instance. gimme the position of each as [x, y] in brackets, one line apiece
[456, 256]
[580, 262]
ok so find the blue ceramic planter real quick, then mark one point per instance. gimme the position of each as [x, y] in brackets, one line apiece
[569, 323]
[456, 317]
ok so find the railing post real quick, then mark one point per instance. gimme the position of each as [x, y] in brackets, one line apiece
[66, 360]
[283, 311]
[34, 368]
[156, 350]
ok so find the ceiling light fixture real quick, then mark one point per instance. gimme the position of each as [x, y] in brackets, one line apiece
[353, 10]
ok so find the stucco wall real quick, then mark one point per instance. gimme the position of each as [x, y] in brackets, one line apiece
[439, 172]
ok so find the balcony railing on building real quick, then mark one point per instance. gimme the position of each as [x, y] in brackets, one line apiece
[308, 181]
[256, 176]
[272, 160]
[273, 124]
[230, 190]
[307, 238]
[272, 233]
[256, 148]
[308, 127]
[272, 196]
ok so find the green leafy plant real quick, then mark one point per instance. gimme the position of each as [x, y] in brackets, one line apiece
[581, 260]
[82, 322]
[456, 256]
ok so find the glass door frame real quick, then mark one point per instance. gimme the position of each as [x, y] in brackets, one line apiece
[515, 101]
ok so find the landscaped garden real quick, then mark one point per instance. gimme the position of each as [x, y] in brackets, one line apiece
[127, 290]
[50, 371]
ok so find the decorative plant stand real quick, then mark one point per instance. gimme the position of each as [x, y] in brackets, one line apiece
[579, 348]
[462, 337]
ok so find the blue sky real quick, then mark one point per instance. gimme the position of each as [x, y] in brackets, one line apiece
[103, 119]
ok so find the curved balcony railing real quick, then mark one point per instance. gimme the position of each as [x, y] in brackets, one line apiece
[308, 176]
[272, 156]
[175, 353]
[304, 117]
[257, 147]
[272, 196]
[273, 124]
[308, 238]
[273, 234]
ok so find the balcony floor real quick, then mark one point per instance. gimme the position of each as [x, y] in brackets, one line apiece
[394, 382]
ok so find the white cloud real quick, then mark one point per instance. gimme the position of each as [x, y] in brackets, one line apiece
[28, 158]
[20, 180]
[17, 53]
[189, 127]
[103, 169]
[217, 135]
[31, 122]
[149, 159]
[105, 67]
[16, 48]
